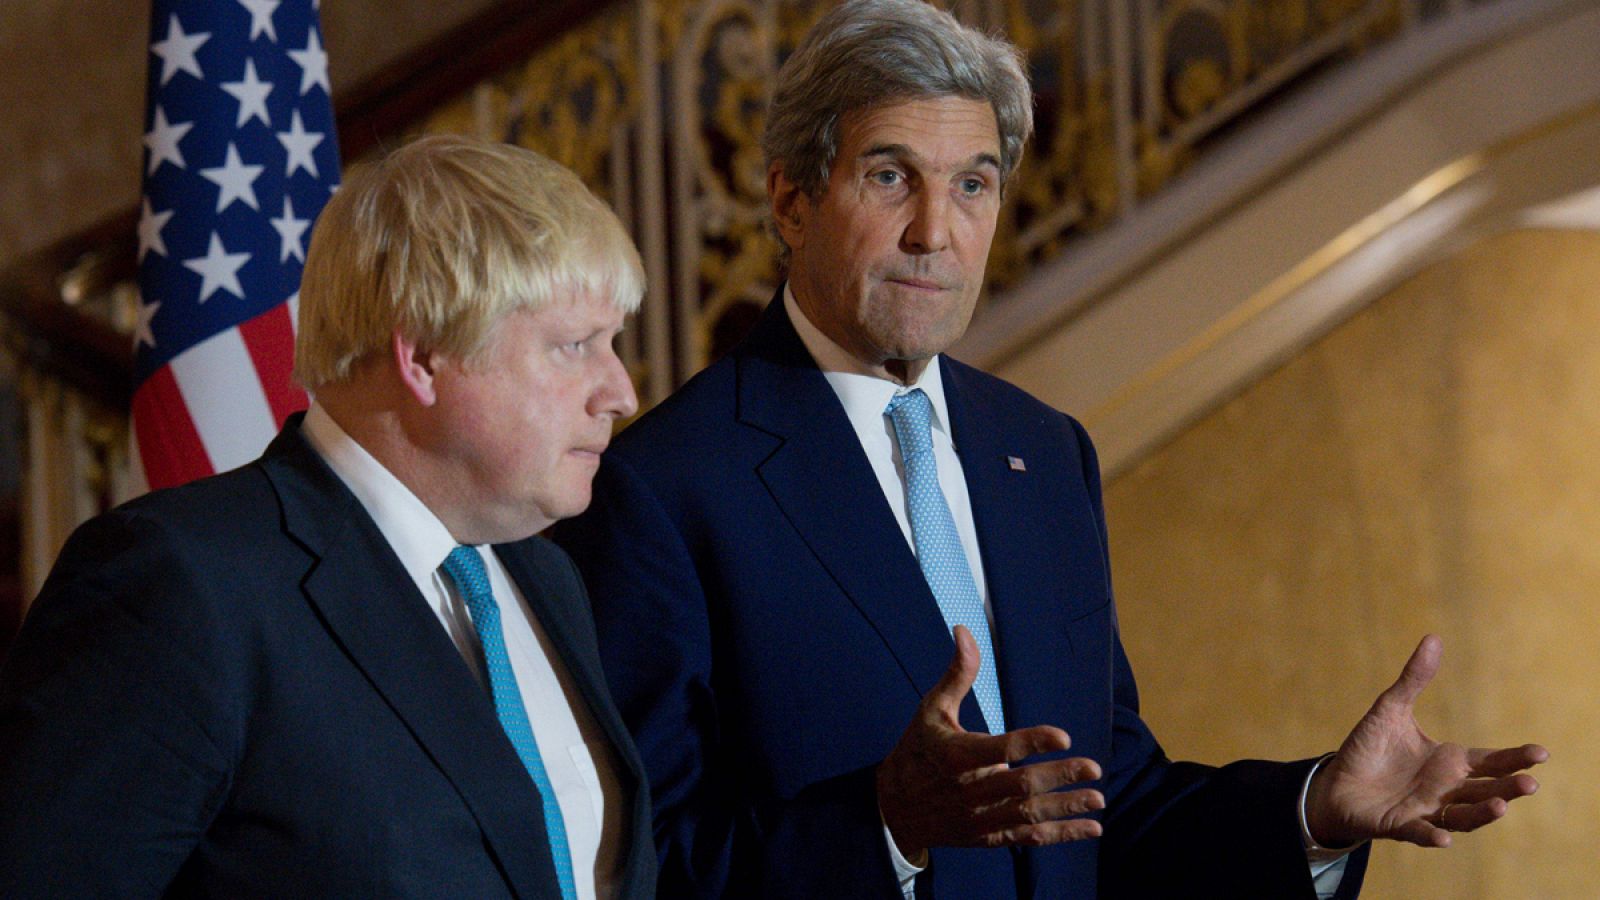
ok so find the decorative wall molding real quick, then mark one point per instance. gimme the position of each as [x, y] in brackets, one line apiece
[1352, 187]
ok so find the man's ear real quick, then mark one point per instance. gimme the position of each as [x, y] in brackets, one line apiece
[417, 367]
[790, 206]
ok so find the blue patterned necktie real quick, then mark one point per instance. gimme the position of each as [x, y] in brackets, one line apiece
[465, 568]
[933, 531]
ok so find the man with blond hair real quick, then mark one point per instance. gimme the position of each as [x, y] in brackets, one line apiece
[349, 668]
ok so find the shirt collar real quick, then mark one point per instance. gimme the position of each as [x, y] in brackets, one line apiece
[865, 395]
[416, 534]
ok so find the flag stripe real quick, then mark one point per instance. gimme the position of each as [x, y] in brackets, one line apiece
[168, 443]
[241, 156]
[219, 384]
[269, 338]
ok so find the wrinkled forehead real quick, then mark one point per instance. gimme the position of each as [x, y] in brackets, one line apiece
[944, 131]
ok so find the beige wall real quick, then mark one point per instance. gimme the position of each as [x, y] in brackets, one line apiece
[1431, 465]
[72, 80]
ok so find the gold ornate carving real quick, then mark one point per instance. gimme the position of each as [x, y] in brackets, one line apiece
[1068, 175]
[565, 102]
[1197, 87]
[579, 101]
[1217, 58]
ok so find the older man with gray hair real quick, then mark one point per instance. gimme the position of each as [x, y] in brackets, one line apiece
[854, 597]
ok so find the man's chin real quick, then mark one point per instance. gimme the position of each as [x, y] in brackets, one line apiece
[921, 343]
[917, 350]
[570, 507]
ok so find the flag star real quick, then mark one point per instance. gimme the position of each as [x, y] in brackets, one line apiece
[313, 63]
[163, 138]
[252, 96]
[261, 18]
[219, 270]
[234, 180]
[150, 225]
[177, 51]
[290, 230]
[141, 329]
[300, 143]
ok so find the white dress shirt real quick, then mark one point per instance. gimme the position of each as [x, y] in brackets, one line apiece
[576, 754]
[865, 397]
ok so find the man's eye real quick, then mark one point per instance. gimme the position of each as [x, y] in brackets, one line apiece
[887, 177]
[972, 186]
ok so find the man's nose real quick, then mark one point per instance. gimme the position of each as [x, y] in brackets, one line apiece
[928, 231]
[614, 396]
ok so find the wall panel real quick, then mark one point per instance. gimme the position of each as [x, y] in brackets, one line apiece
[1430, 465]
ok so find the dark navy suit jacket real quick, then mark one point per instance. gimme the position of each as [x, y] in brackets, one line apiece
[234, 689]
[767, 634]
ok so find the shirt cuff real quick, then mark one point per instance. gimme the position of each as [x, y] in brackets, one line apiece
[905, 871]
[1316, 854]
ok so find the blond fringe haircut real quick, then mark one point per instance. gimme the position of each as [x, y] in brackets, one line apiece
[440, 240]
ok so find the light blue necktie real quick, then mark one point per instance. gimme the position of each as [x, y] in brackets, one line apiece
[933, 531]
[465, 568]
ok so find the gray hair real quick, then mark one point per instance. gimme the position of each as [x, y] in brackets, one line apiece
[867, 53]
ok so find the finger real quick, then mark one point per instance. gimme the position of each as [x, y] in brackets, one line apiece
[1480, 789]
[1034, 740]
[1042, 834]
[1470, 816]
[1022, 781]
[945, 697]
[1422, 833]
[977, 751]
[1418, 671]
[1038, 809]
[1494, 763]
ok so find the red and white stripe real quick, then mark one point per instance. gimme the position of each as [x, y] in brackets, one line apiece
[217, 405]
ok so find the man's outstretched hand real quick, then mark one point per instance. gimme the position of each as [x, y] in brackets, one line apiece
[942, 786]
[1389, 780]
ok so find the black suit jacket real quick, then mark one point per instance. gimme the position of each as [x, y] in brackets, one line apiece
[234, 689]
[768, 633]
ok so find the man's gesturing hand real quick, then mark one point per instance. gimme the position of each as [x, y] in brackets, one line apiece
[1389, 780]
[942, 786]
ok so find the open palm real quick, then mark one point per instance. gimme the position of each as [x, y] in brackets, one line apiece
[1390, 780]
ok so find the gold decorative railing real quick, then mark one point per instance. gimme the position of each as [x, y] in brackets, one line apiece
[658, 105]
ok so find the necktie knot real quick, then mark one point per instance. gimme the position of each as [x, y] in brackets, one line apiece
[465, 568]
[912, 416]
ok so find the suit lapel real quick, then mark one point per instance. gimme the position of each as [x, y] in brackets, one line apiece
[371, 606]
[1032, 535]
[574, 643]
[559, 616]
[1044, 563]
[556, 617]
[821, 480]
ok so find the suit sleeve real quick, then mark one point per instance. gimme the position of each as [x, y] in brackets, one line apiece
[654, 621]
[1178, 829]
[117, 729]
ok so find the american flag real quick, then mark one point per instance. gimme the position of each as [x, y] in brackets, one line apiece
[240, 157]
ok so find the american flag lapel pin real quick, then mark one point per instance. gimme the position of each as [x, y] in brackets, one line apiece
[1016, 464]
